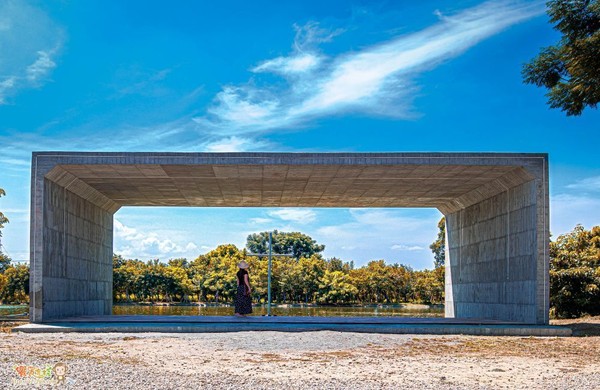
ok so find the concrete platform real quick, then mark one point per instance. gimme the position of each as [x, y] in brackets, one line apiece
[204, 324]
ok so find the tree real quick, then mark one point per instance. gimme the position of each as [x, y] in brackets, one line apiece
[335, 287]
[4, 262]
[295, 244]
[575, 273]
[16, 284]
[438, 247]
[3, 219]
[570, 70]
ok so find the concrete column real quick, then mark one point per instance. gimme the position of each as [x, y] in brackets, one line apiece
[494, 261]
[74, 260]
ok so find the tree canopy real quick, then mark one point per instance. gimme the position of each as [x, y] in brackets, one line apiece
[295, 244]
[3, 219]
[575, 273]
[438, 247]
[570, 70]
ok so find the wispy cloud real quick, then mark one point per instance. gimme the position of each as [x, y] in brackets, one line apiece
[379, 79]
[41, 67]
[395, 235]
[591, 184]
[410, 248]
[234, 144]
[567, 211]
[260, 221]
[32, 40]
[295, 215]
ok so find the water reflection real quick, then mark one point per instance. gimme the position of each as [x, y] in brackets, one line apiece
[282, 310]
[288, 310]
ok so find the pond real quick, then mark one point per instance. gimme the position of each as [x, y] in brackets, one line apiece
[407, 310]
[404, 310]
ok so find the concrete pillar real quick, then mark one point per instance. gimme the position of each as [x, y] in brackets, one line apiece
[72, 254]
[495, 262]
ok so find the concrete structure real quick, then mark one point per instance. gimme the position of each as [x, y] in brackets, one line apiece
[208, 324]
[496, 207]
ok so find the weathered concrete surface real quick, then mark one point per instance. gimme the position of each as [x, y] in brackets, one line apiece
[76, 277]
[492, 266]
[497, 208]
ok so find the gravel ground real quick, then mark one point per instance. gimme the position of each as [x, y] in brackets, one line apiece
[307, 360]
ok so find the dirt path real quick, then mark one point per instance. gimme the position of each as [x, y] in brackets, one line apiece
[303, 360]
[317, 360]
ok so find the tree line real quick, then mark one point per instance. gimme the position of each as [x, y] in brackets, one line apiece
[211, 278]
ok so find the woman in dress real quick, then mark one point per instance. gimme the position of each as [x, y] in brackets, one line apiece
[243, 301]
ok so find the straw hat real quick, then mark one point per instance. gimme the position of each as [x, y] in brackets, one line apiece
[243, 265]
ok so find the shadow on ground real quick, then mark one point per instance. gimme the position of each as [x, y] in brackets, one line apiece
[581, 327]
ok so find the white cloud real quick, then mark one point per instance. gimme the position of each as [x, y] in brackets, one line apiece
[587, 184]
[289, 65]
[41, 67]
[260, 221]
[402, 247]
[32, 39]
[234, 144]
[295, 215]
[129, 242]
[377, 79]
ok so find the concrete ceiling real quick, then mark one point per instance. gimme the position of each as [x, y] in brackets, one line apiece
[446, 187]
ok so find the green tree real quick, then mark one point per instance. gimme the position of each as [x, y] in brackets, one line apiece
[335, 287]
[429, 286]
[16, 284]
[313, 269]
[438, 247]
[295, 244]
[4, 262]
[3, 219]
[575, 273]
[570, 70]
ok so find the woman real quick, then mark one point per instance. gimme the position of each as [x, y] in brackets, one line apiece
[243, 301]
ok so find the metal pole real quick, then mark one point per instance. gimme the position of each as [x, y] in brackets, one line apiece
[269, 273]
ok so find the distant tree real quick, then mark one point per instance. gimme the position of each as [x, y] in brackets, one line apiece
[438, 247]
[179, 262]
[335, 287]
[429, 286]
[570, 70]
[4, 262]
[295, 244]
[575, 273]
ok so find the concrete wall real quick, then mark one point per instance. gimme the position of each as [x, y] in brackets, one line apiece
[77, 253]
[492, 261]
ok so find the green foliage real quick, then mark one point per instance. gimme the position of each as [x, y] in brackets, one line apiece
[570, 70]
[295, 244]
[429, 286]
[211, 277]
[336, 287]
[575, 273]
[15, 284]
[4, 262]
[3, 219]
[438, 247]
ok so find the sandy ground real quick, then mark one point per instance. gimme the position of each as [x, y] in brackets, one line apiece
[307, 360]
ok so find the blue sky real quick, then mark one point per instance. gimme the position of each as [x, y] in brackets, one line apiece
[355, 76]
